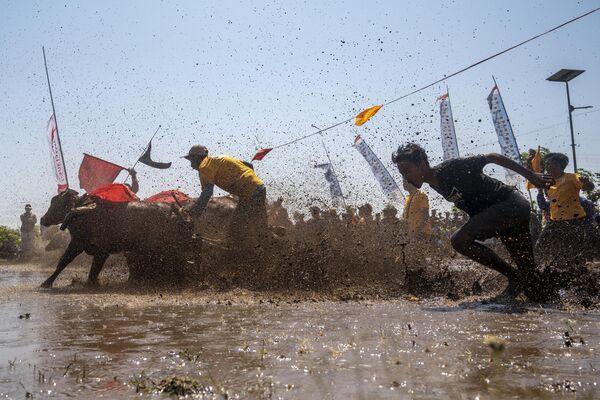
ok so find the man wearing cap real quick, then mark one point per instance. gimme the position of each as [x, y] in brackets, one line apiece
[237, 178]
[28, 221]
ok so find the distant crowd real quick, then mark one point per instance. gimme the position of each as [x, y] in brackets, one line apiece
[415, 234]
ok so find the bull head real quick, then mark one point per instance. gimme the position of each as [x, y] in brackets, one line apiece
[60, 206]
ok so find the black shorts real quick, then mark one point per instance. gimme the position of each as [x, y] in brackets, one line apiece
[506, 219]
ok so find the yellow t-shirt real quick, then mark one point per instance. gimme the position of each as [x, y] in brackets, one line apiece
[230, 174]
[416, 213]
[564, 198]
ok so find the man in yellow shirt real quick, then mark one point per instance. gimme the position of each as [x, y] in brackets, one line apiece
[237, 178]
[416, 212]
[564, 193]
[563, 240]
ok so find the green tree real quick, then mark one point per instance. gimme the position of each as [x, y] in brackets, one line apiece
[593, 195]
[10, 240]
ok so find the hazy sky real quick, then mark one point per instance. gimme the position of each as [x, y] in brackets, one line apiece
[236, 76]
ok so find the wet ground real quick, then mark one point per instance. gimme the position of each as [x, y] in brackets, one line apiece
[110, 342]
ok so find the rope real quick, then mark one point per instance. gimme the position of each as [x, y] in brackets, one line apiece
[446, 77]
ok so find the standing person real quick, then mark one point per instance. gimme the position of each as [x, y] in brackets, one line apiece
[28, 221]
[494, 208]
[235, 177]
[590, 212]
[564, 239]
[365, 214]
[416, 212]
[315, 226]
[389, 215]
[393, 237]
[277, 215]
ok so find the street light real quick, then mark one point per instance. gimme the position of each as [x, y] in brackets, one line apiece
[565, 75]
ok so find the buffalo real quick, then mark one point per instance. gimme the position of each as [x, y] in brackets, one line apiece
[153, 231]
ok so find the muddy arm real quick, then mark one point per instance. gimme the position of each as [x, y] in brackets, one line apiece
[135, 184]
[539, 180]
[202, 202]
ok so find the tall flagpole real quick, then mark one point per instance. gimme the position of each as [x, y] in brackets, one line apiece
[54, 115]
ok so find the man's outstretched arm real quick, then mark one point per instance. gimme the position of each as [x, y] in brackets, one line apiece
[539, 180]
[135, 184]
[201, 203]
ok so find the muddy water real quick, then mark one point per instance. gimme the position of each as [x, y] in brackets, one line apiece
[81, 344]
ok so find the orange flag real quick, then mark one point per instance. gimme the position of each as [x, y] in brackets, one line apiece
[366, 115]
[536, 166]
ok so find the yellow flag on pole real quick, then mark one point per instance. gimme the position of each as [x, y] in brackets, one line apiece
[366, 115]
[536, 166]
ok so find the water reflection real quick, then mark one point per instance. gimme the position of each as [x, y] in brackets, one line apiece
[91, 345]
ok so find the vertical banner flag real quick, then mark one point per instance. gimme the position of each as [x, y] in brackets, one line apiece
[449, 143]
[506, 138]
[95, 173]
[58, 165]
[383, 176]
[334, 185]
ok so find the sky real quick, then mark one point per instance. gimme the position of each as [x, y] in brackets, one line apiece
[238, 76]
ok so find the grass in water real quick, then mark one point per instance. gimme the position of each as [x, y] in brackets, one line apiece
[172, 385]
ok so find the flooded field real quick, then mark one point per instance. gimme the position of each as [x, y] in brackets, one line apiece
[117, 342]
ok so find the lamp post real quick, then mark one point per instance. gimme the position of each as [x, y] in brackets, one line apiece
[565, 75]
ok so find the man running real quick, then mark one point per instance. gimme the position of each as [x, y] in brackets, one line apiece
[494, 208]
[236, 177]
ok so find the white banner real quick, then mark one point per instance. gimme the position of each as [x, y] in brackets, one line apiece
[449, 143]
[506, 138]
[56, 156]
[383, 176]
[335, 189]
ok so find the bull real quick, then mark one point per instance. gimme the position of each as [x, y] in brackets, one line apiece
[151, 230]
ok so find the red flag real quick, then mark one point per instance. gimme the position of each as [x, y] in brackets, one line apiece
[95, 172]
[261, 154]
[114, 193]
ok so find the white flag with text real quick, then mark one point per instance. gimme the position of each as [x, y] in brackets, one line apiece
[506, 137]
[388, 185]
[56, 156]
[449, 143]
[334, 185]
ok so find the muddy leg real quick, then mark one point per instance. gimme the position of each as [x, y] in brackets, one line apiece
[69, 255]
[466, 245]
[97, 264]
[519, 244]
